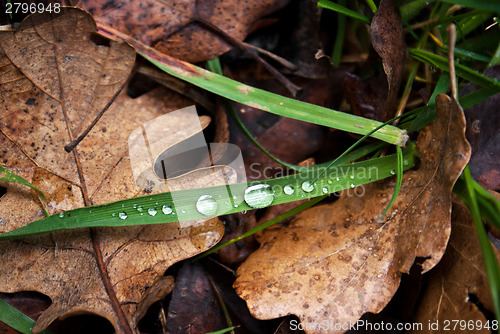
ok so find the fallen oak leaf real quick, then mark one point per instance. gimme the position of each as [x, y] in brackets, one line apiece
[388, 40]
[336, 261]
[452, 284]
[171, 27]
[115, 273]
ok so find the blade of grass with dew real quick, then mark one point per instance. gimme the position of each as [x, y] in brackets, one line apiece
[124, 213]
[263, 226]
[399, 180]
[7, 176]
[480, 4]
[462, 71]
[16, 319]
[258, 98]
[490, 261]
[343, 10]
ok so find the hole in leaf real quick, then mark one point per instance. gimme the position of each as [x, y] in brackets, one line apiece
[84, 324]
[99, 40]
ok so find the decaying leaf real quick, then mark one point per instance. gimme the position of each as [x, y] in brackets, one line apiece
[388, 40]
[337, 261]
[170, 27]
[53, 81]
[456, 281]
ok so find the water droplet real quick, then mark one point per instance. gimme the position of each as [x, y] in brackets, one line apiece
[156, 203]
[236, 205]
[281, 103]
[325, 190]
[113, 214]
[206, 205]
[393, 172]
[329, 181]
[288, 189]
[166, 210]
[122, 215]
[338, 178]
[152, 211]
[259, 196]
[352, 177]
[405, 162]
[235, 197]
[183, 211]
[140, 209]
[134, 206]
[61, 215]
[353, 185]
[123, 205]
[307, 186]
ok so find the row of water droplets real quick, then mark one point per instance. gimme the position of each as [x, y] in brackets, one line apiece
[257, 196]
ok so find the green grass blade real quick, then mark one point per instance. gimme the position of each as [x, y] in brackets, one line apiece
[399, 180]
[492, 5]
[339, 38]
[280, 105]
[411, 9]
[215, 66]
[490, 261]
[16, 319]
[336, 179]
[462, 71]
[7, 176]
[263, 226]
[343, 10]
[489, 205]
[258, 98]
[222, 331]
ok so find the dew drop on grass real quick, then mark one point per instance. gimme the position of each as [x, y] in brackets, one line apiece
[140, 209]
[206, 205]
[152, 211]
[307, 186]
[329, 181]
[166, 210]
[122, 215]
[325, 190]
[61, 215]
[338, 178]
[393, 172]
[405, 162]
[259, 196]
[113, 214]
[353, 185]
[352, 177]
[288, 189]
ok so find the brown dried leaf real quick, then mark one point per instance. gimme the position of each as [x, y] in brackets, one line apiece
[53, 81]
[336, 261]
[170, 26]
[460, 274]
[388, 40]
